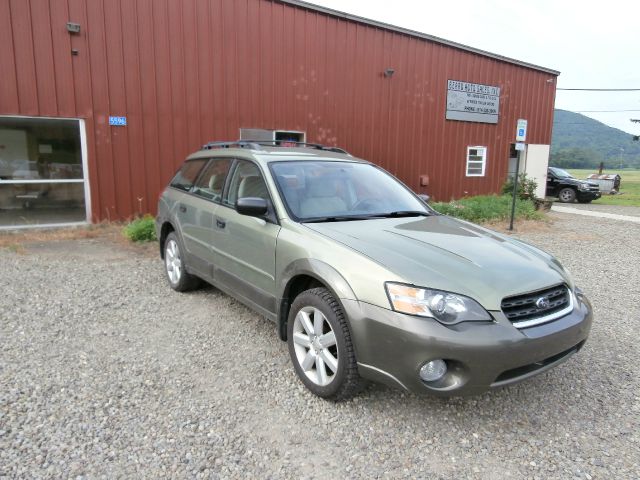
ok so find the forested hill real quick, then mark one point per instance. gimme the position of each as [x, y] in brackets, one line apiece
[582, 142]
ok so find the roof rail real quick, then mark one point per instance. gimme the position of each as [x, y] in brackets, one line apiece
[238, 144]
[256, 144]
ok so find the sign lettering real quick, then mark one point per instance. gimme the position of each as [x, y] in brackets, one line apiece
[472, 102]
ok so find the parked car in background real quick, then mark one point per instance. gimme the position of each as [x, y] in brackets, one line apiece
[361, 277]
[568, 189]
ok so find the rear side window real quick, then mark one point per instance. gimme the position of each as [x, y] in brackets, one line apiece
[187, 175]
[211, 182]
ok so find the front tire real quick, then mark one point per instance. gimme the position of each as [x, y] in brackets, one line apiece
[178, 277]
[567, 195]
[320, 346]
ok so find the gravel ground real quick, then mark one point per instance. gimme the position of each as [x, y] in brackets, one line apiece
[106, 373]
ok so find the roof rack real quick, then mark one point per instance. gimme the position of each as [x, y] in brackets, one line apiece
[236, 144]
[256, 144]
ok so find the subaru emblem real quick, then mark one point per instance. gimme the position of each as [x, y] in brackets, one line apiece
[542, 303]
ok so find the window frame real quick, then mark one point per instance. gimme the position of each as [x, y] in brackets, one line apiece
[470, 162]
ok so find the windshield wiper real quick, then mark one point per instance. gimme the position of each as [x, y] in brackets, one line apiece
[342, 218]
[406, 213]
[349, 218]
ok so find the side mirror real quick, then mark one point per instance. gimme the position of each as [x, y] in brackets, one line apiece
[424, 197]
[252, 206]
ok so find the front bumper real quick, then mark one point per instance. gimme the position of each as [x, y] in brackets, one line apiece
[588, 195]
[391, 347]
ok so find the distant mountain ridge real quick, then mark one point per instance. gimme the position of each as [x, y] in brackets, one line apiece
[582, 142]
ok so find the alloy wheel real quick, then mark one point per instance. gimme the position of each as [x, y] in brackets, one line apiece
[173, 262]
[315, 346]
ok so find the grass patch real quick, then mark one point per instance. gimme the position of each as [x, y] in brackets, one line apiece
[629, 187]
[488, 208]
[141, 230]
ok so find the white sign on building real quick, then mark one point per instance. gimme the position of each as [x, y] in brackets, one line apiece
[472, 102]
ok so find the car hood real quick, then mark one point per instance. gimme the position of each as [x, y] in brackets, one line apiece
[443, 253]
[576, 181]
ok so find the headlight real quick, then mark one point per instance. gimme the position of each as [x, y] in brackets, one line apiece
[446, 307]
[583, 186]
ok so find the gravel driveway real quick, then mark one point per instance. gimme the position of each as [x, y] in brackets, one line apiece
[105, 373]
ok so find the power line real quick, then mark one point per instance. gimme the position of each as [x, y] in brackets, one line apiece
[601, 89]
[603, 111]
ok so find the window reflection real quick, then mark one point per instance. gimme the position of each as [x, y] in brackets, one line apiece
[32, 149]
[41, 203]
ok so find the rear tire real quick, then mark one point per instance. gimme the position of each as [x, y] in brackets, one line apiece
[320, 346]
[174, 266]
[567, 195]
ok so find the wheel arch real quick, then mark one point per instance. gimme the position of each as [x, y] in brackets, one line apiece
[166, 228]
[303, 275]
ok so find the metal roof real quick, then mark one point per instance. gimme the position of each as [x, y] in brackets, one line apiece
[413, 33]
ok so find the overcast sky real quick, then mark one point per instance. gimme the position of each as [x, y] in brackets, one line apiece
[592, 44]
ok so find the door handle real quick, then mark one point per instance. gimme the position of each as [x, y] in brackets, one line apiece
[220, 223]
[183, 208]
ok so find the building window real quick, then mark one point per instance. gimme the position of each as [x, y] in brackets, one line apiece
[43, 175]
[476, 161]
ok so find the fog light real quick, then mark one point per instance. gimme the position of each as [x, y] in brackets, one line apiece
[433, 370]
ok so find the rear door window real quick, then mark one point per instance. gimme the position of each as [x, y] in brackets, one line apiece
[210, 184]
[187, 175]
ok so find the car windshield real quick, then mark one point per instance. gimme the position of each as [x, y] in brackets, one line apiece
[322, 191]
[560, 173]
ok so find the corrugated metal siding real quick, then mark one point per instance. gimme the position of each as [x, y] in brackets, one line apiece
[188, 71]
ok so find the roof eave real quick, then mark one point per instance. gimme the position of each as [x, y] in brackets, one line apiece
[413, 33]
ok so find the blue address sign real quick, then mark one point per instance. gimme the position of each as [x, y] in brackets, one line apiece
[118, 121]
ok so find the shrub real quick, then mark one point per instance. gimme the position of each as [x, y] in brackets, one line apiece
[141, 230]
[485, 208]
[526, 187]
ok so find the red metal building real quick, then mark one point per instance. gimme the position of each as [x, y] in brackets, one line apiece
[184, 72]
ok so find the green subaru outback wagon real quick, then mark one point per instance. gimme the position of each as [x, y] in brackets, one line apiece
[361, 277]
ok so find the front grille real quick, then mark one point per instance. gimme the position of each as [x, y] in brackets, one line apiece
[531, 306]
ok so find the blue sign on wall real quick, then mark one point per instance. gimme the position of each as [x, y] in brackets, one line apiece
[118, 121]
[521, 130]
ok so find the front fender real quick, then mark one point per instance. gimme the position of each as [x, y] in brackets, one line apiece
[317, 269]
